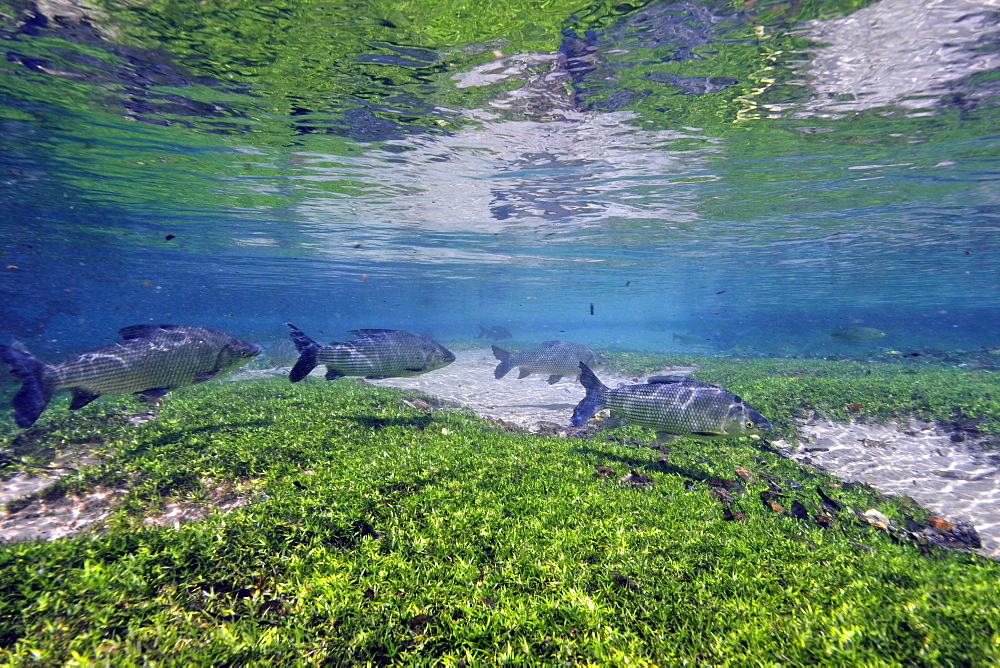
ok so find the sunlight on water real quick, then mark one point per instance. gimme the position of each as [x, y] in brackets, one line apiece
[742, 169]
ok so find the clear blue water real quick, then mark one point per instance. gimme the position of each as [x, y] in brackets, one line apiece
[752, 175]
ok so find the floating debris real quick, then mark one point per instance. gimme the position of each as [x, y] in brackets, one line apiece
[798, 511]
[722, 495]
[729, 515]
[875, 518]
[638, 479]
[942, 524]
[725, 483]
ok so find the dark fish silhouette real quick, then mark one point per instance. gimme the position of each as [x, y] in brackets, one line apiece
[674, 406]
[13, 322]
[494, 333]
[688, 338]
[856, 334]
[151, 360]
[375, 353]
[556, 358]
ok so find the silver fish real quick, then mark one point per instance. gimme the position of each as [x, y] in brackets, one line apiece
[856, 334]
[674, 406]
[375, 353]
[689, 338]
[150, 361]
[556, 358]
[493, 333]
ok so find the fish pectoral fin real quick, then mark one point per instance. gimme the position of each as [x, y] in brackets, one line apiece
[664, 437]
[81, 398]
[523, 373]
[333, 374]
[204, 375]
[554, 379]
[412, 369]
[152, 394]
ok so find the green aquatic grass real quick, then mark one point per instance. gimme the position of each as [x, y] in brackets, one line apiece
[382, 533]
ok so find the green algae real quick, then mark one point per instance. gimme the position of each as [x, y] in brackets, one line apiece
[381, 530]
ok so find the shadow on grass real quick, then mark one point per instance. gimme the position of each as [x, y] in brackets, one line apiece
[638, 464]
[417, 421]
[175, 436]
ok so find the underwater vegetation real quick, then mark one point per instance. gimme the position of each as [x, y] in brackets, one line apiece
[379, 526]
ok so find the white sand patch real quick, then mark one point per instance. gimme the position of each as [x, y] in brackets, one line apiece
[957, 481]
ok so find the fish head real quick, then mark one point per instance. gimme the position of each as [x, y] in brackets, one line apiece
[597, 359]
[745, 420]
[235, 353]
[437, 357]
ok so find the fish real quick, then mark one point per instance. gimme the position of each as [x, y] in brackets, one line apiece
[13, 322]
[688, 338]
[375, 353]
[556, 358]
[674, 406]
[855, 334]
[150, 361]
[280, 353]
[494, 333]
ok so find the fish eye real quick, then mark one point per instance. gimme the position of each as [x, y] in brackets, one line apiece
[749, 424]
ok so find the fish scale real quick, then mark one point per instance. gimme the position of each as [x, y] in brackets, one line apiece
[147, 363]
[375, 353]
[674, 406]
[151, 361]
[555, 358]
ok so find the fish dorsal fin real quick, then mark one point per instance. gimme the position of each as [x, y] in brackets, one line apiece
[549, 344]
[370, 332]
[680, 380]
[137, 331]
[655, 380]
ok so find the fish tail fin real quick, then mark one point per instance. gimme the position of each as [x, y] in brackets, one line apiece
[593, 402]
[506, 364]
[36, 389]
[308, 350]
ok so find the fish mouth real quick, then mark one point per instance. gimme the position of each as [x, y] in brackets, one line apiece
[252, 350]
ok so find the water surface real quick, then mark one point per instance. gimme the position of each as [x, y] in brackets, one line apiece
[749, 175]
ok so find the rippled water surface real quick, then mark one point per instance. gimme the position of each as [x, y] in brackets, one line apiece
[749, 175]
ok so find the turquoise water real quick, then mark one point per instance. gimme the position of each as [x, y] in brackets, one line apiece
[750, 176]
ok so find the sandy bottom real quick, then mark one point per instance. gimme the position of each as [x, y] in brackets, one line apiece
[957, 481]
[469, 381]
